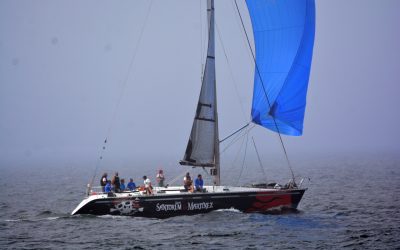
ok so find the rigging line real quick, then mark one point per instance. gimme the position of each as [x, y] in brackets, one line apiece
[207, 173]
[244, 159]
[177, 177]
[234, 140]
[241, 31]
[259, 159]
[230, 70]
[237, 131]
[122, 91]
[233, 162]
[237, 138]
[265, 92]
[125, 82]
[246, 132]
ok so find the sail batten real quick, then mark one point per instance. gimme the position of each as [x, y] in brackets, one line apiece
[284, 37]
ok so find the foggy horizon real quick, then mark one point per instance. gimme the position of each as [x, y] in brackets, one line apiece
[64, 67]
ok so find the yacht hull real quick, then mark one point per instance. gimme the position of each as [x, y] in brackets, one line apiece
[168, 205]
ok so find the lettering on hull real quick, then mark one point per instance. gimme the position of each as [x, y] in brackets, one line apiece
[177, 206]
[169, 207]
[200, 206]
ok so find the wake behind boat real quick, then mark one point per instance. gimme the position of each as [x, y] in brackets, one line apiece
[283, 36]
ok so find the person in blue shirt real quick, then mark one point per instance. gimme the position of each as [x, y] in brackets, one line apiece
[131, 185]
[198, 183]
[122, 185]
[107, 188]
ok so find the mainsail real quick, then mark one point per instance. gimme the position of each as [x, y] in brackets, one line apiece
[284, 38]
[203, 145]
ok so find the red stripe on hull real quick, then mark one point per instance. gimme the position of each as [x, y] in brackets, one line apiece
[267, 200]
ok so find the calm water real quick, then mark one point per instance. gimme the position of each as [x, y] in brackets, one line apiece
[352, 202]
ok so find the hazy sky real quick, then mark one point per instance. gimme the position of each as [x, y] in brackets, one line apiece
[65, 66]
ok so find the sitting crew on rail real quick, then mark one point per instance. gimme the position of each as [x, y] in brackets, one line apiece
[131, 185]
[188, 183]
[107, 188]
[198, 183]
[147, 185]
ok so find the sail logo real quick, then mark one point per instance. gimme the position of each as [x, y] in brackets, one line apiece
[200, 206]
[169, 207]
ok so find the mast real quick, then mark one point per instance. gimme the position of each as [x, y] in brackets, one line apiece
[211, 42]
[203, 146]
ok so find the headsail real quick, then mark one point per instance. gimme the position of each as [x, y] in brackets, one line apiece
[284, 38]
[202, 147]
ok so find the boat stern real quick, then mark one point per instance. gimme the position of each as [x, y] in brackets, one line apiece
[84, 203]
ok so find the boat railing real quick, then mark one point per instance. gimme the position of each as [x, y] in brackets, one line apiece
[95, 190]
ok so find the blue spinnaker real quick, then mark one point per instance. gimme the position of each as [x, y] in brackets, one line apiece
[284, 39]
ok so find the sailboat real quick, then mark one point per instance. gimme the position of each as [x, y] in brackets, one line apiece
[283, 37]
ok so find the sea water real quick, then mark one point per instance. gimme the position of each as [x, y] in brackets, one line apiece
[351, 202]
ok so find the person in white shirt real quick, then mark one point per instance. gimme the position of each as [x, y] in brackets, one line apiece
[103, 182]
[147, 185]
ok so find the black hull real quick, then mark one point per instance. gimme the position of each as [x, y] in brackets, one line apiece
[164, 206]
